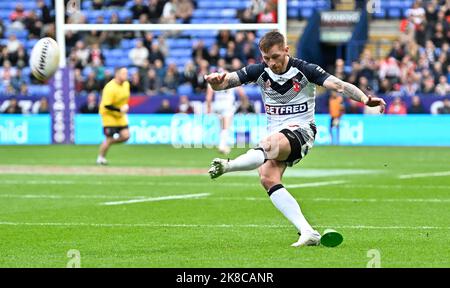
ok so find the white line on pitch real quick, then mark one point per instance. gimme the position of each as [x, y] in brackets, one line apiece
[316, 184]
[154, 199]
[47, 196]
[167, 225]
[379, 200]
[418, 200]
[423, 175]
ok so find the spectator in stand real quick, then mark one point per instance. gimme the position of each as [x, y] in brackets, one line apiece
[160, 70]
[200, 52]
[118, 3]
[411, 87]
[7, 73]
[428, 86]
[19, 58]
[96, 56]
[91, 84]
[97, 4]
[138, 9]
[390, 70]
[230, 53]
[171, 79]
[397, 107]
[135, 84]
[45, 12]
[13, 44]
[13, 107]
[416, 13]
[184, 106]
[165, 108]
[148, 40]
[190, 74]
[81, 54]
[23, 90]
[386, 86]
[113, 39]
[247, 16]
[339, 69]
[162, 45]
[213, 55]
[397, 51]
[223, 38]
[91, 104]
[155, 9]
[138, 54]
[439, 37]
[443, 88]
[269, 15]
[18, 14]
[2, 28]
[201, 84]
[446, 108]
[184, 10]
[169, 12]
[416, 106]
[34, 25]
[156, 54]
[151, 83]
[43, 106]
[79, 80]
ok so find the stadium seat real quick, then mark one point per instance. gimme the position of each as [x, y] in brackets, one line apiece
[381, 14]
[306, 13]
[185, 89]
[293, 13]
[394, 13]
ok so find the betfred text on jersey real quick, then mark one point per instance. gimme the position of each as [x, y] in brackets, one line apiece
[287, 109]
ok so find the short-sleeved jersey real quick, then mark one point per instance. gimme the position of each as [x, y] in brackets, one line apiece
[289, 98]
[116, 95]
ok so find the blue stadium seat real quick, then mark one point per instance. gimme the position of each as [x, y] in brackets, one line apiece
[307, 4]
[394, 13]
[381, 14]
[306, 12]
[185, 89]
[180, 52]
[86, 5]
[293, 13]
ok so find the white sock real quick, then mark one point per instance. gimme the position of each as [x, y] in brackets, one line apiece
[284, 202]
[223, 138]
[248, 161]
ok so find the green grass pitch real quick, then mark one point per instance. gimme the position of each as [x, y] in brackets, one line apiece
[375, 196]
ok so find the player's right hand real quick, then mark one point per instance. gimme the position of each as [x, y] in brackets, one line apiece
[215, 78]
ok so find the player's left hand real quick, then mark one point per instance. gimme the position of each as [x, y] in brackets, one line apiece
[125, 108]
[375, 102]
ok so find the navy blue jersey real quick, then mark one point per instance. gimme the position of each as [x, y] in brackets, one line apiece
[289, 98]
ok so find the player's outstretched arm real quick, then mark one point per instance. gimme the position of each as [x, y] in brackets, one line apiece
[223, 81]
[350, 90]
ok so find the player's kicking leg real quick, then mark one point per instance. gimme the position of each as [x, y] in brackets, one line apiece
[124, 135]
[270, 158]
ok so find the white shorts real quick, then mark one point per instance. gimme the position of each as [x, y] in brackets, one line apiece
[223, 109]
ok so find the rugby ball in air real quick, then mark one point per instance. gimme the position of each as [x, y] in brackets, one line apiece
[44, 59]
